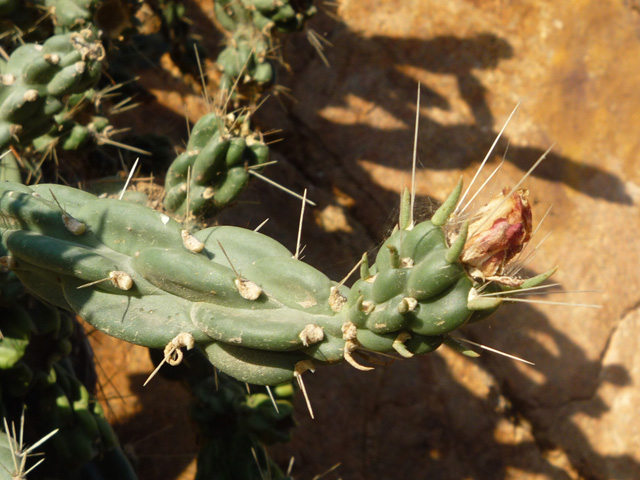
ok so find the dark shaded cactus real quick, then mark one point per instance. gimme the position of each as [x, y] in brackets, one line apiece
[250, 23]
[38, 381]
[235, 421]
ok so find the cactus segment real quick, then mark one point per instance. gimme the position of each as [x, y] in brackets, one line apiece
[405, 211]
[242, 246]
[444, 312]
[273, 329]
[60, 257]
[365, 274]
[460, 348]
[292, 283]
[250, 41]
[15, 336]
[455, 250]
[390, 316]
[9, 170]
[190, 276]
[128, 228]
[538, 279]
[149, 320]
[257, 311]
[284, 16]
[69, 14]
[36, 78]
[259, 367]
[433, 275]
[219, 152]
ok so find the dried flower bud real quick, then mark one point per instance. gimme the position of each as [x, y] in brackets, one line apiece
[501, 230]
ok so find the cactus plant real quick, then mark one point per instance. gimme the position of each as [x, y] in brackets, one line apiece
[73, 128]
[220, 151]
[260, 315]
[235, 421]
[36, 78]
[39, 380]
[250, 41]
[282, 15]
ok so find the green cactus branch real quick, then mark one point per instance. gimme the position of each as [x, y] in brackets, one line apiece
[259, 314]
[214, 169]
[36, 78]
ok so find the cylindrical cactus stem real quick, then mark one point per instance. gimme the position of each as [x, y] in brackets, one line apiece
[35, 79]
[219, 154]
[250, 25]
[258, 312]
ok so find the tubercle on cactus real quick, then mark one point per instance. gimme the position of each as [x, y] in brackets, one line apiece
[407, 302]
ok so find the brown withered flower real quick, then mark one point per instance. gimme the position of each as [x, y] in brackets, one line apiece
[498, 233]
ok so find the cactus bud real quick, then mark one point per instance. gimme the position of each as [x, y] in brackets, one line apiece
[500, 231]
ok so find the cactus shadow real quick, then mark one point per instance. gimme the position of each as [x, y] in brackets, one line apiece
[160, 439]
[443, 416]
[417, 418]
[372, 80]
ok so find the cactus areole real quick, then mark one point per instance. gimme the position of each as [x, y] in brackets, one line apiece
[261, 315]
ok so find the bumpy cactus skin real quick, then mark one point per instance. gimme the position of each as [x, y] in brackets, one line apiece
[250, 24]
[265, 320]
[37, 77]
[282, 15]
[71, 14]
[218, 155]
[245, 56]
[74, 128]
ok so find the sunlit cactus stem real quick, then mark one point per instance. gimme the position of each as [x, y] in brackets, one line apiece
[261, 315]
[214, 169]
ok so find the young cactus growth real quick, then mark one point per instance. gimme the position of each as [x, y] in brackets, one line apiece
[218, 156]
[416, 293]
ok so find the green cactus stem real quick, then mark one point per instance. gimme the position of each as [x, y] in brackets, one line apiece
[250, 26]
[219, 154]
[281, 15]
[37, 380]
[36, 79]
[260, 315]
